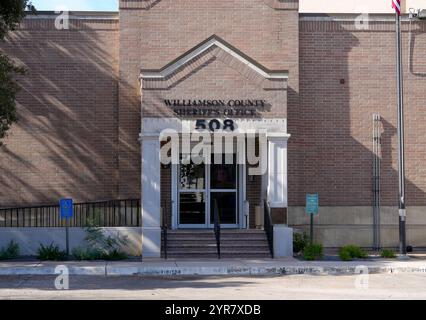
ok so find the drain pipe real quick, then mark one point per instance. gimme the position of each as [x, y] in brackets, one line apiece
[376, 181]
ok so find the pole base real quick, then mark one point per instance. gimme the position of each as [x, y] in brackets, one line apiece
[403, 257]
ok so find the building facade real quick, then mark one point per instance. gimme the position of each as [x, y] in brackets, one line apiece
[99, 94]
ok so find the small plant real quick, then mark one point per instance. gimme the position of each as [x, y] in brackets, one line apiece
[51, 252]
[350, 252]
[10, 252]
[115, 255]
[100, 246]
[388, 253]
[313, 252]
[300, 240]
[80, 253]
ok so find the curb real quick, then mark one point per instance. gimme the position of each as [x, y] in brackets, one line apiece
[109, 270]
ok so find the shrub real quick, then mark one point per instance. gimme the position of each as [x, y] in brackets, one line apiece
[300, 240]
[350, 252]
[345, 255]
[100, 246]
[10, 252]
[388, 253]
[80, 253]
[51, 252]
[115, 255]
[313, 252]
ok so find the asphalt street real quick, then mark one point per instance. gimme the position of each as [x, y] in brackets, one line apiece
[374, 286]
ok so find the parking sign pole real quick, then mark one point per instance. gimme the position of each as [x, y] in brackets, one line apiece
[67, 236]
[312, 228]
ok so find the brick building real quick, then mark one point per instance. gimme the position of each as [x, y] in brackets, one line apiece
[98, 94]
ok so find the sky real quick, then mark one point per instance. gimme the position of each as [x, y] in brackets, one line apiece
[330, 6]
[76, 5]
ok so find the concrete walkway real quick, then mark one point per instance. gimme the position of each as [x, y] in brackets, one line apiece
[214, 267]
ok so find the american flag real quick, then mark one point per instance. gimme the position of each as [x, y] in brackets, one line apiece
[396, 4]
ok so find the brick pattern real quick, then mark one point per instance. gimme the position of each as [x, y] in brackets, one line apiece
[337, 115]
[65, 143]
[148, 4]
[283, 4]
[151, 39]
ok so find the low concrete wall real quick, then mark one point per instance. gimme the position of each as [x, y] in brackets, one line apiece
[339, 226]
[29, 239]
[283, 241]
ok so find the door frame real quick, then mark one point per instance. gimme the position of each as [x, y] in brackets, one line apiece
[240, 193]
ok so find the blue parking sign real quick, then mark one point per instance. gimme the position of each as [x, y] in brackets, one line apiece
[312, 203]
[66, 208]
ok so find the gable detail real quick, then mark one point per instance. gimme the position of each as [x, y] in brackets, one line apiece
[210, 50]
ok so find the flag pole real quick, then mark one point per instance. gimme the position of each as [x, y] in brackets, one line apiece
[401, 160]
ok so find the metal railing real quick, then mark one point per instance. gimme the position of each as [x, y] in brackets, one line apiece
[110, 213]
[268, 227]
[164, 227]
[217, 227]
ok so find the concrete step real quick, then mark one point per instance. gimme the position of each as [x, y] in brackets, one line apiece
[202, 244]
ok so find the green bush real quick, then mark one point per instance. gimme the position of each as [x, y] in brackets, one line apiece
[114, 255]
[99, 245]
[345, 255]
[313, 252]
[350, 252]
[80, 253]
[10, 252]
[300, 240]
[51, 252]
[388, 253]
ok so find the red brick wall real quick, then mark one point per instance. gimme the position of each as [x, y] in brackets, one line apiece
[154, 33]
[336, 127]
[65, 143]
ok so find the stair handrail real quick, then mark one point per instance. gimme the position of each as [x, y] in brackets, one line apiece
[164, 228]
[216, 226]
[268, 226]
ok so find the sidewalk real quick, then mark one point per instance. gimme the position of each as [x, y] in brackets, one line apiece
[214, 267]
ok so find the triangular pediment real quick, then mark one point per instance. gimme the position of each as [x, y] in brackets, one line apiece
[216, 48]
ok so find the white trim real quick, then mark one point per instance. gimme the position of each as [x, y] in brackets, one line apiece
[372, 17]
[198, 51]
[152, 127]
[277, 193]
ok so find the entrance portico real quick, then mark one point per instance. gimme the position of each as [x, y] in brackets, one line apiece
[210, 93]
[195, 188]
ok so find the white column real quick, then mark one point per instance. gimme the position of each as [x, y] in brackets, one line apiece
[151, 201]
[277, 170]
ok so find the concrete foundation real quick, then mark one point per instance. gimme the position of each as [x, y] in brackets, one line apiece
[283, 241]
[339, 226]
[29, 239]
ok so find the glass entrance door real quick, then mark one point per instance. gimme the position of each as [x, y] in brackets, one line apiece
[202, 187]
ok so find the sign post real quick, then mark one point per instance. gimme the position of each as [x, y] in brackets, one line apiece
[312, 209]
[66, 212]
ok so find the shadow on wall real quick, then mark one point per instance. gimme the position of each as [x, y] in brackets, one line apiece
[66, 140]
[346, 76]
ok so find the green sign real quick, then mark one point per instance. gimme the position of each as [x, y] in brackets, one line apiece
[312, 203]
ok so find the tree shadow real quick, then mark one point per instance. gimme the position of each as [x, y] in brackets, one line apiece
[341, 87]
[66, 139]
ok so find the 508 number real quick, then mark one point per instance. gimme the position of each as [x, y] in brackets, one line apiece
[214, 125]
